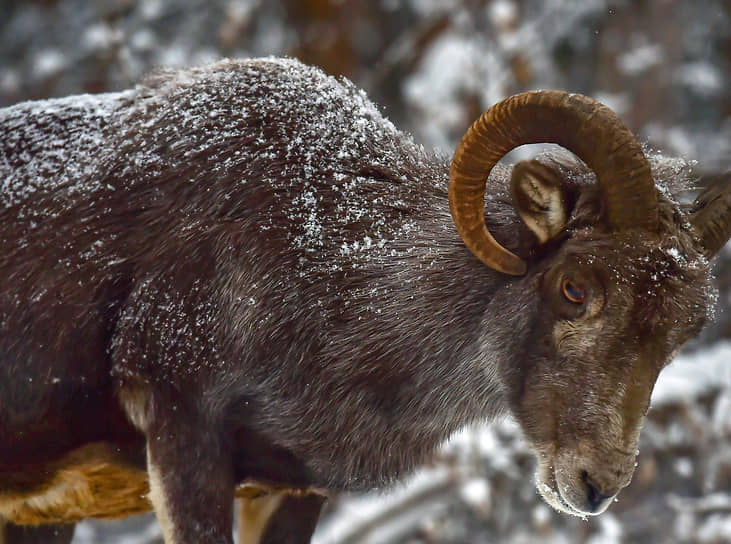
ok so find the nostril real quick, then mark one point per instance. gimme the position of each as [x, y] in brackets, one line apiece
[594, 496]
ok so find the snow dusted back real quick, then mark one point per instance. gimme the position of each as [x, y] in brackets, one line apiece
[58, 142]
[199, 112]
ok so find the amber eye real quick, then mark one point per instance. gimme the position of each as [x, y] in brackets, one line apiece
[572, 292]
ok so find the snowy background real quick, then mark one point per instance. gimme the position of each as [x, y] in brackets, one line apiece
[433, 66]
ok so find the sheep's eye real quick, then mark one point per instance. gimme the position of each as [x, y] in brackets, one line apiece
[572, 292]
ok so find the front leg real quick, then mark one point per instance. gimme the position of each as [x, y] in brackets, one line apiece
[191, 478]
[171, 382]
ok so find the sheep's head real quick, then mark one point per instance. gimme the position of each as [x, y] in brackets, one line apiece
[622, 276]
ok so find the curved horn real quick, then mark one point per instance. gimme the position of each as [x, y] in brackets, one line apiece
[582, 125]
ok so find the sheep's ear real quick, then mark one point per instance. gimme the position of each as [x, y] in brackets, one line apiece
[539, 198]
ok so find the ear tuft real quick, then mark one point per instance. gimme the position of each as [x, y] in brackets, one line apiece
[538, 196]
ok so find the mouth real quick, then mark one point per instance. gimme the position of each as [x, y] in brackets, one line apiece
[564, 496]
[549, 490]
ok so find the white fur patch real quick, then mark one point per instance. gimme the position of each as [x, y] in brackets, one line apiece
[159, 502]
[254, 514]
[137, 407]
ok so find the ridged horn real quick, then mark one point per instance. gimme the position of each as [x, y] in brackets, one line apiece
[582, 125]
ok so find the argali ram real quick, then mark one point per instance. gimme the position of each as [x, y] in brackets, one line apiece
[244, 275]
